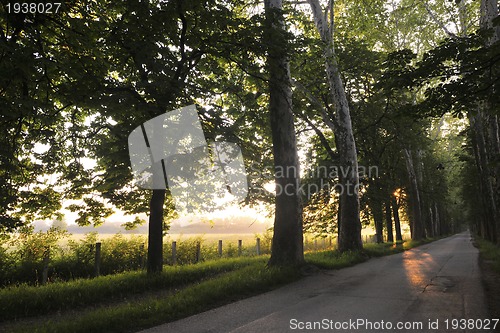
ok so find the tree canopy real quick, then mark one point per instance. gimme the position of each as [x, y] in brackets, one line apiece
[397, 100]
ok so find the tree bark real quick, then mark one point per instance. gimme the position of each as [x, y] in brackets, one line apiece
[397, 222]
[287, 246]
[486, 134]
[378, 218]
[417, 230]
[155, 238]
[349, 224]
[495, 151]
[438, 228]
[477, 138]
[388, 222]
[425, 200]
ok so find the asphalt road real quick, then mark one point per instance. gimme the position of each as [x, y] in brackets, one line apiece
[427, 289]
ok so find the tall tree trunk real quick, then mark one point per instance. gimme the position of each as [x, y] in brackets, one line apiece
[495, 152]
[483, 165]
[287, 246]
[477, 140]
[388, 222]
[429, 219]
[489, 131]
[437, 221]
[425, 202]
[155, 237]
[397, 222]
[417, 229]
[349, 224]
[378, 218]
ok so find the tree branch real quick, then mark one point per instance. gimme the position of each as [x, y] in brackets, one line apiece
[324, 113]
[437, 21]
[324, 141]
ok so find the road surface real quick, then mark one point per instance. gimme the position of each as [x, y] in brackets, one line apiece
[432, 288]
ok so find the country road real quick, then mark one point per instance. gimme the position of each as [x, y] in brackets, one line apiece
[425, 289]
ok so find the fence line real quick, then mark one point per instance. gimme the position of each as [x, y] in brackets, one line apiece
[324, 243]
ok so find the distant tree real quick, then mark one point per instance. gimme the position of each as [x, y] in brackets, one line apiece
[60, 223]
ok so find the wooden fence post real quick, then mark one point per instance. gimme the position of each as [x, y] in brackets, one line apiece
[258, 246]
[174, 253]
[220, 248]
[97, 262]
[239, 246]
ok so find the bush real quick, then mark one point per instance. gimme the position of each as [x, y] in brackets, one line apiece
[119, 254]
[30, 249]
[186, 250]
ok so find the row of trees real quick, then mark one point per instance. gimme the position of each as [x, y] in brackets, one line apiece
[385, 84]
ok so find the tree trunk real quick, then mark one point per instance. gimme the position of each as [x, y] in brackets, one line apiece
[417, 230]
[388, 222]
[397, 222]
[429, 219]
[495, 151]
[287, 246]
[155, 238]
[488, 143]
[378, 218]
[349, 224]
[424, 200]
[484, 173]
[438, 228]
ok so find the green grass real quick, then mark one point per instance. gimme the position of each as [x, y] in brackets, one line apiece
[331, 259]
[128, 317]
[490, 252]
[24, 300]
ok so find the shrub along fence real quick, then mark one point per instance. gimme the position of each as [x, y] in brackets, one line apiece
[35, 260]
[89, 257]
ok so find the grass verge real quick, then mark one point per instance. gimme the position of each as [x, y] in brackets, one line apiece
[331, 259]
[23, 301]
[489, 252]
[216, 283]
[207, 294]
[489, 262]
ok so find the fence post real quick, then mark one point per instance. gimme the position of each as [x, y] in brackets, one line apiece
[258, 246]
[330, 241]
[220, 248]
[198, 251]
[97, 259]
[315, 244]
[174, 253]
[239, 246]
[45, 272]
